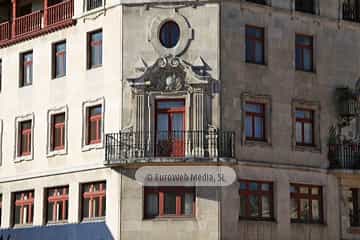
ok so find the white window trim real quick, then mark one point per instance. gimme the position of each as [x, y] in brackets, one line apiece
[50, 114]
[18, 120]
[314, 106]
[85, 106]
[262, 99]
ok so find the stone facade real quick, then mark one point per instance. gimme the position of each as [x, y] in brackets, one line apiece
[208, 70]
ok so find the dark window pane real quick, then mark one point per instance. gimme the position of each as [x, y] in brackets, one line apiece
[254, 206]
[170, 203]
[169, 34]
[92, 4]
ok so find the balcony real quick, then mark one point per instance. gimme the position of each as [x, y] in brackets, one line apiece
[170, 147]
[344, 156]
[51, 18]
[351, 10]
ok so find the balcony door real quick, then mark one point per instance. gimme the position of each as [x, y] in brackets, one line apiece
[170, 128]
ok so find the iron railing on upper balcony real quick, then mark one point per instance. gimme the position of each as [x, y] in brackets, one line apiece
[344, 156]
[169, 146]
[92, 4]
[351, 10]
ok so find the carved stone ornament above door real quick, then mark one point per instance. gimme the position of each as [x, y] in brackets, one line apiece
[167, 74]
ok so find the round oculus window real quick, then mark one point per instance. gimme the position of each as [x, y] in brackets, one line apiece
[169, 34]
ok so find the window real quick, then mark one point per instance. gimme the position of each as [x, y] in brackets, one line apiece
[254, 44]
[25, 138]
[351, 10]
[306, 203]
[24, 207]
[304, 127]
[57, 204]
[256, 200]
[255, 121]
[94, 124]
[304, 53]
[58, 132]
[0, 208]
[354, 206]
[307, 6]
[59, 59]
[93, 200]
[169, 202]
[169, 34]
[95, 49]
[26, 63]
[92, 4]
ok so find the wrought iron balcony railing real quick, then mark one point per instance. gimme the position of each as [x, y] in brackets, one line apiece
[351, 11]
[344, 156]
[167, 147]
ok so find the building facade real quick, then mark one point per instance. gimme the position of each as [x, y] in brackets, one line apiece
[94, 90]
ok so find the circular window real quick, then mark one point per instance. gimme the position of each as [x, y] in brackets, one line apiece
[169, 34]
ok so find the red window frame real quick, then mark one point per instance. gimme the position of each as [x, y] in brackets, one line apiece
[247, 193]
[91, 44]
[308, 196]
[25, 133]
[161, 200]
[301, 67]
[176, 139]
[97, 119]
[253, 115]
[60, 195]
[254, 40]
[302, 121]
[91, 196]
[55, 126]
[24, 64]
[22, 203]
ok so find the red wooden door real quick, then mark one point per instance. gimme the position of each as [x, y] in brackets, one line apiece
[170, 128]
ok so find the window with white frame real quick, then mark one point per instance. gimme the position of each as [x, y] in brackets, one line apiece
[93, 124]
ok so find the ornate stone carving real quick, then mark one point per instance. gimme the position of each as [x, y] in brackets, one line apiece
[167, 74]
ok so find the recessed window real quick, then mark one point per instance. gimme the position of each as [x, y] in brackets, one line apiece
[263, 2]
[26, 69]
[351, 10]
[94, 52]
[306, 203]
[57, 204]
[92, 4]
[255, 121]
[23, 208]
[169, 202]
[354, 207]
[254, 45]
[304, 127]
[59, 59]
[304, 53]
[58, 132]
[306, 6]
[94, 120]
[25, 138]
[169, 34]
[256, 200]
[93, 200]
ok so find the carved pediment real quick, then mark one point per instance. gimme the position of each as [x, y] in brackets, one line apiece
[166, 74]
